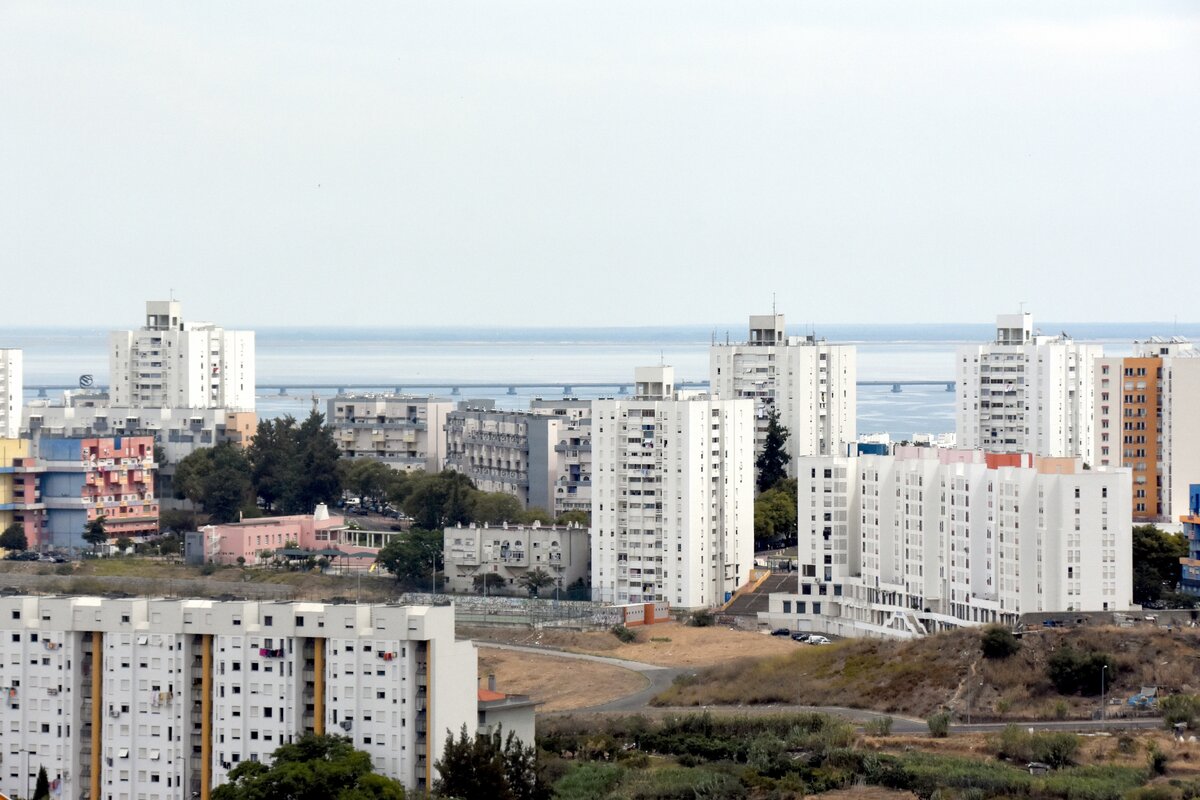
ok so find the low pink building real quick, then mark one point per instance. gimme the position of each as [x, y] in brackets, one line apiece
[257, 540]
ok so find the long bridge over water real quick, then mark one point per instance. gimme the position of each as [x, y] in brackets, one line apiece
[457, 387]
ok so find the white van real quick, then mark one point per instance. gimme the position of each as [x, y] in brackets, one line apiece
[816, 639]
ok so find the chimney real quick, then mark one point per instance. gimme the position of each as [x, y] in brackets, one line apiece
[321, 512]
[491, 681]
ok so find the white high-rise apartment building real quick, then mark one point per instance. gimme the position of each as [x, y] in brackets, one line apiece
[811, 385]
[672, 495]
[1026, 393]
[159, 699]
[12, 392]
[170, 363]
[927, 539]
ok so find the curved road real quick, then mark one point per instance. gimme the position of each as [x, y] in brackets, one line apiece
[658, 679]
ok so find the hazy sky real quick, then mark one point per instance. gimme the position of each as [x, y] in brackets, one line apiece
[607, 163]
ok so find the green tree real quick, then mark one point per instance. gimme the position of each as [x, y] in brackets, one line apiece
[439, 500]
[997, 641]
[13, 537]
[41, 789]
[368, 478]
[217, 479]
[535, 580]
[486, 767]
[313, 768]
[771, 464]
[1074, 672]
[1156, 555]
[570, 517]
[413, 557]
[495, 508]
[94, 532]
[272, 455]
[774, 518]
[537, 514]
[316, 476]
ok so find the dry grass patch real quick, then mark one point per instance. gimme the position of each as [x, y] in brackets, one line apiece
[559, 684]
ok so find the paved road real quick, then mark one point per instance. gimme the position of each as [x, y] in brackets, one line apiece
[659, 678]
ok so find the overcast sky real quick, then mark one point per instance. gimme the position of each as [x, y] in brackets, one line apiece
[560, 163]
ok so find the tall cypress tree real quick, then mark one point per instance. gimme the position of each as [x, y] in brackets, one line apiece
[42, 790]
[771, 464]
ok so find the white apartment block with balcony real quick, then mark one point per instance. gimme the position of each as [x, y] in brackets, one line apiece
[159, 699]
[672, 495]
[12, 392]
[810, 383]
[171, 363]
[927, 539]
[505, 451]
[511, 551]
[1026, 393]
[405, 432]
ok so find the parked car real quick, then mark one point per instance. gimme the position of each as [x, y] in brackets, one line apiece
[781, 632]
[815, 639]
[800, 637]
[24, 555]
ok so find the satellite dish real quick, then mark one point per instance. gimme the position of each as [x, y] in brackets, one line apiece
[85, 381]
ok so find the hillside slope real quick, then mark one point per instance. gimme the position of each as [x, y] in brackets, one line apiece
[948, 671]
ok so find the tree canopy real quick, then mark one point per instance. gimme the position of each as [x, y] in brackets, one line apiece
[94, 532]
[487, 767]
[1156, 569]
[218, 480]
[313, 768]
[771, 464]
[294, 467]
[535, 580]
[775, 516]
[413, 557]
[41, 789]
[13, 538]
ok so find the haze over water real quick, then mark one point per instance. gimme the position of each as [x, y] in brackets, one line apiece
[389, 357]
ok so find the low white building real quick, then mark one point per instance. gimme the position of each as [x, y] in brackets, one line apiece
[159, 699]
[672, 495]
[405, 432]
[511, 551]
[926, 539]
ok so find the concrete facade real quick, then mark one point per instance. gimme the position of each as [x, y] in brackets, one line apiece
[1026, 393]
[672, 495]
[405, 432]
[171, 363]
[926, 539]
[12, 392]
[511, 551]
[159, 699]
[810, 383]
[256, 540]
[1145, 421]
[71, 482]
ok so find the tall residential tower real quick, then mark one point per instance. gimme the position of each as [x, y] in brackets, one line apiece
[808, 382]
[1026, 393]
[170, 363]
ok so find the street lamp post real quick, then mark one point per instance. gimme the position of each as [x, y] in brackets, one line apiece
[1103, 699]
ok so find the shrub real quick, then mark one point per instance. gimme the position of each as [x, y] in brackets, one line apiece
[1073, 672]
[879, 726]
[1018, 744]
[1157, 761]
[1178, 708]
[939, 725]
[998, 642]
[701, 619]
[624, 634]
[208, 569]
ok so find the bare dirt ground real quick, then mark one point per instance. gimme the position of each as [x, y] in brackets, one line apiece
[667, 644]
[559, 684]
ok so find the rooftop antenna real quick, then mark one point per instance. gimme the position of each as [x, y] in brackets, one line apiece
[662, 361]
[1022, 305]
[773, 312]
[727, 337]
